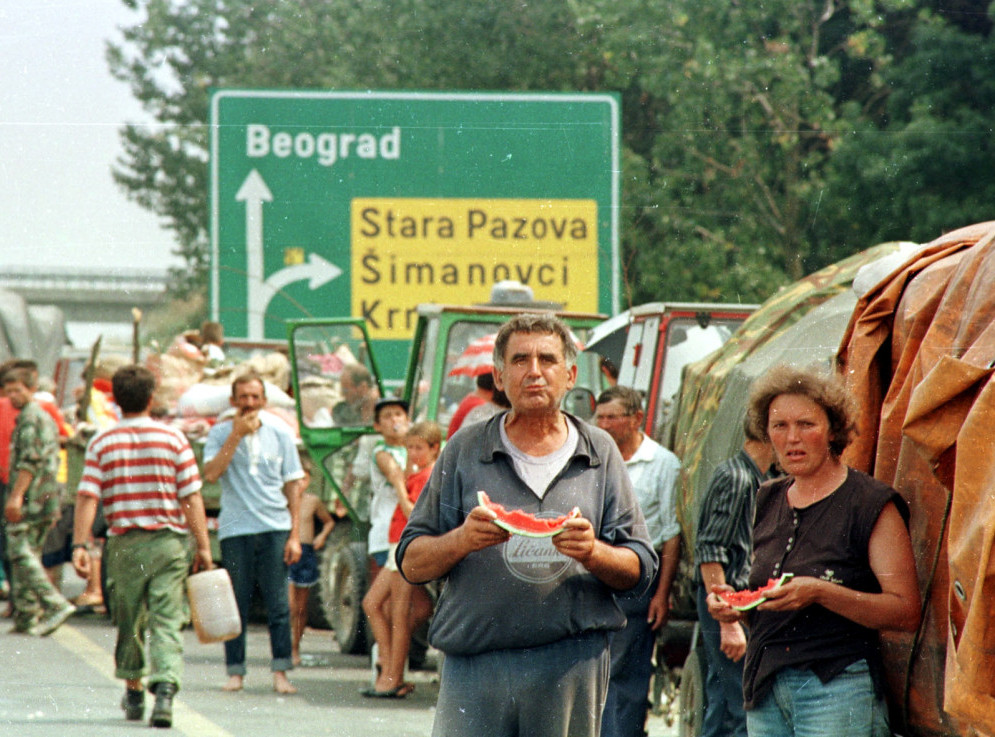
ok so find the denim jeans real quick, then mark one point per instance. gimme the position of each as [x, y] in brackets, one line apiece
[724, 714]
[800, 705]
[252, 559]
[627, 702]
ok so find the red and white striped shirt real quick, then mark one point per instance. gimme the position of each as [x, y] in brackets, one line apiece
[140, 469]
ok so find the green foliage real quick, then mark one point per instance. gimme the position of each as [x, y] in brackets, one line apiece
[762, 140]
[927, 170]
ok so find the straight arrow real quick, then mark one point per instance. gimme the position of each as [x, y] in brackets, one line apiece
[253, 193]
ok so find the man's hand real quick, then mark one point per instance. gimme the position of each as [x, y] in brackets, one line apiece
[478, 530]
[246, 424]
[202, 560]
[577, 539]
[292, 551]
[618, 567]
[659, 610]
[81, 562]
[12, 511]
[732, 640]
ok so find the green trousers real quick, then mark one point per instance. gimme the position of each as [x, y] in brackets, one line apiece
[146, 572]
[32, 595]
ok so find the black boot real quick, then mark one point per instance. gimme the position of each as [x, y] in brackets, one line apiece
[162, 712]
[133, 704]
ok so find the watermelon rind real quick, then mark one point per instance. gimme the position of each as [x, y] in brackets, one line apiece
[746, 607]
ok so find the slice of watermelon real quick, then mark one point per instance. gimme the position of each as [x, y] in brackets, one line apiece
[519, 522]
[749, 598]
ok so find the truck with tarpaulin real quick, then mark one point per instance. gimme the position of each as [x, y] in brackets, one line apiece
[910, 329]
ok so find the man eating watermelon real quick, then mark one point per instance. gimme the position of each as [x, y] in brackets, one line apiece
[525, 621]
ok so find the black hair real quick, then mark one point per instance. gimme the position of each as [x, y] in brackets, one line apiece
[133, 387]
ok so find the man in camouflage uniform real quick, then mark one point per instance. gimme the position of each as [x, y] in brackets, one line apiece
[31, 507]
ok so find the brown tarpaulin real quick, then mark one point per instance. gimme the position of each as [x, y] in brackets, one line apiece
[918, 355]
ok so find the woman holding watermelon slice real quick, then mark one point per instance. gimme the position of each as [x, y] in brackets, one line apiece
[843, 536]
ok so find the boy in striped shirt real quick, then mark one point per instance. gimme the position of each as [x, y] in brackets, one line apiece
[145, 474]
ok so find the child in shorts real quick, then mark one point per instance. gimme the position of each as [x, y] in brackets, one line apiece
[405, 607]
[303, 574]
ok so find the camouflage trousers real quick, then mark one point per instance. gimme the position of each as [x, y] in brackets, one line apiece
[32, 594]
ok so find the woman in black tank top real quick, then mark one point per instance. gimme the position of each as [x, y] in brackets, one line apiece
[843, 536]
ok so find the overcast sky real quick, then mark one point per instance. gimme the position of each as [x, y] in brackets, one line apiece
[60, 112]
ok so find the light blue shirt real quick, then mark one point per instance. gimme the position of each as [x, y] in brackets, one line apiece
[252, 498]
[654, 471]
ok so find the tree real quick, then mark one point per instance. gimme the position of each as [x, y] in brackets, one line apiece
[740, 107]
[180, 49]
[761, 140]
[925, 168]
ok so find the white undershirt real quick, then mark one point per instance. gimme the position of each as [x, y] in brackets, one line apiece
[538, 472]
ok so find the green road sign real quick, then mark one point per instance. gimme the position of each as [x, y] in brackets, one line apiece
[336, 204]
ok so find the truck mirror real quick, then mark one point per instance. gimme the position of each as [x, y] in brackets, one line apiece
[580, 403]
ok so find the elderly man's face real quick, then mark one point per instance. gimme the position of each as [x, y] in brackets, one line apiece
[614, 420]
[535, 375]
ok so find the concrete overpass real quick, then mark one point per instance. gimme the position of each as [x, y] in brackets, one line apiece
[87, 295]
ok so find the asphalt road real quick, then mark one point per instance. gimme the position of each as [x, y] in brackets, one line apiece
[64, 685]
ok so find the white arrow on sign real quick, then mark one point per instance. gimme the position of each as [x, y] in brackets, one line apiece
[318, 271]
[254, 193]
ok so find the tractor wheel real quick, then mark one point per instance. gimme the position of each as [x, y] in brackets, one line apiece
[692, 695]
[343, 584]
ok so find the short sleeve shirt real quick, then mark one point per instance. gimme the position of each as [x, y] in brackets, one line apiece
[252, 498]
[383, 501]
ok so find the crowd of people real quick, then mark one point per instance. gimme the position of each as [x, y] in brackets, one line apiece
[574, 654]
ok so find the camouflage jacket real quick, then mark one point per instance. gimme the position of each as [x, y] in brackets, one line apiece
[34, 447]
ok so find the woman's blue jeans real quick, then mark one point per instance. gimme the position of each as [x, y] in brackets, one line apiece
[800, 705]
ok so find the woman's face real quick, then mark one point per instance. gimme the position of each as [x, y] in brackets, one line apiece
[799, 431]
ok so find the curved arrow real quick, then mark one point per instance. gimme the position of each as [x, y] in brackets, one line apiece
[317, 271]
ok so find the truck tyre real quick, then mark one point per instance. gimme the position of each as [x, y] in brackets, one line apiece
[692, 695]
[316, 618]
[343, 584]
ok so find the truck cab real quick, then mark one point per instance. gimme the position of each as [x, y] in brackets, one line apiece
[651, 344]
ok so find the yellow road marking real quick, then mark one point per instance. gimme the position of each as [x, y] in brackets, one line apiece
[185, 720]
